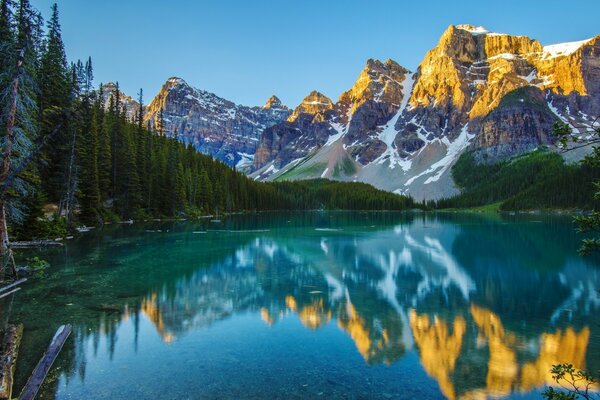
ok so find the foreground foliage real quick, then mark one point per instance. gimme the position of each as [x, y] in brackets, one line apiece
[575, 384]
[588, 223]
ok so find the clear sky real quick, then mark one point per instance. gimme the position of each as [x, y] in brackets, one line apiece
[245, 50]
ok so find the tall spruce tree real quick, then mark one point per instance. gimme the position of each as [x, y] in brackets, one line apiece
[88, 144]
[105, 123]
[54, 99]
[141, 149]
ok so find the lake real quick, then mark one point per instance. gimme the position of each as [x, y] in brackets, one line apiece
[315, 305]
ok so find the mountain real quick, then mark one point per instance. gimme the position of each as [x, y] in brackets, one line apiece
[495, 94]
[213, 125]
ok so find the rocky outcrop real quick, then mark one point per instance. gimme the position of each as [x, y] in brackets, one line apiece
[213, 125]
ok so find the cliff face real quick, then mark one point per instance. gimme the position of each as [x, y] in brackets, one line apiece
[521, 123]
[213, 125]
[496, 94]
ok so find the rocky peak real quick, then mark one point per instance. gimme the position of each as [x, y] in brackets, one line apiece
[176, 81]
[131, 106]
[274, 104]
[175, 84]
[315, 103]
[379, 81]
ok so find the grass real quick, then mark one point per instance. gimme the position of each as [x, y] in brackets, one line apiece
[492, 208]
[303, 171]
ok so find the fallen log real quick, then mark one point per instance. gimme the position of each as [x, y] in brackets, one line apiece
[43, 367]
[8, 359]
[9, 293]
[35, 243]
[13, 284]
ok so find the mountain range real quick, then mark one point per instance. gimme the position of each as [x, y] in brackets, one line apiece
[497, 95]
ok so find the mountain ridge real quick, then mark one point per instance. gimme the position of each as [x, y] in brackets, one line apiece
[400, 130]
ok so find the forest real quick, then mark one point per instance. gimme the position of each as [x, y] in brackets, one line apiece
[534, 181]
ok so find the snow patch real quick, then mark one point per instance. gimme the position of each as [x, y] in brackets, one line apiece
[563, 49]
[452, 152]
[246, 161]
[271, 170]
[389, 132]
[557, 113]
[341, 130]
[475, 30]
[506, 56]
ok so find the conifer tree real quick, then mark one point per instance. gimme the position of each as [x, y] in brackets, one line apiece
[105, 120]
[54, 98]
[88, 148]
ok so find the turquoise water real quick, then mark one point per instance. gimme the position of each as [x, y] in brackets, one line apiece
[314, 305]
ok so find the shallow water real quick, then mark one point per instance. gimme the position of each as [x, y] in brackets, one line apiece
[314, 305]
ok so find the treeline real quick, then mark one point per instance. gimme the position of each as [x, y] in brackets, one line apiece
[333, 195]
[87, 162]
[537, 180]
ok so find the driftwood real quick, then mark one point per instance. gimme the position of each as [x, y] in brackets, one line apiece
[36, 243]
[13, 284]
[41, 370]
[5, 290]
[9, 292]
[8, 359]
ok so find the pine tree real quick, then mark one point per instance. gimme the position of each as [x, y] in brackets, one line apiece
[115, 134]
[206, 192]
[54, 98]
[88, 149]
[141, 149]
[105, 120]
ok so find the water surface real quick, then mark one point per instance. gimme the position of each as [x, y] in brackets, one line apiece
[330, 305]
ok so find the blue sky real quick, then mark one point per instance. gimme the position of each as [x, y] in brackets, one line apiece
[246, 51]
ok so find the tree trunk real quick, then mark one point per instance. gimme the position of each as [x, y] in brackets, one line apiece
[71, 183]
[6, 254]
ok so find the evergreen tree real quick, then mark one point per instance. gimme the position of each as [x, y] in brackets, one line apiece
[89, 132]
[105, 120]
[141, 147]
[54, 98]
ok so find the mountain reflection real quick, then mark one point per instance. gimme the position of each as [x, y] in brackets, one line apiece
[438, 348]
[397, 290]
[487, 306]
